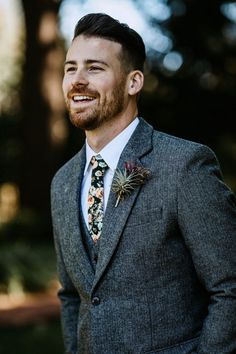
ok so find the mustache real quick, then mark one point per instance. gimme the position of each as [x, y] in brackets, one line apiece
[80, 90]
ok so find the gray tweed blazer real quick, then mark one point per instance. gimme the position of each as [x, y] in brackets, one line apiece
[165, 279]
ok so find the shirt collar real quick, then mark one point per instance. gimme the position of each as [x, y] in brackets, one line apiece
[112, 151]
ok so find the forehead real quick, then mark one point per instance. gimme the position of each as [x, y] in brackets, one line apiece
[86, 47]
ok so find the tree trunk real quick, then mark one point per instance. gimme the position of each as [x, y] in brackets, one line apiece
[43, 124]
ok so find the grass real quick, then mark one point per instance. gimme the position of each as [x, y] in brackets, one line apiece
[44, 338]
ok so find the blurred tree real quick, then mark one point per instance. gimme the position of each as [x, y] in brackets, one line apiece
[43, 124]
[197, 101]
[208, 69]
[189, 102]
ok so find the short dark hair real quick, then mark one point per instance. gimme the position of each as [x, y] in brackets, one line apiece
[105, 26]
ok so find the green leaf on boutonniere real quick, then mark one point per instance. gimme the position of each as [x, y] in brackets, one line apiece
[125, 181]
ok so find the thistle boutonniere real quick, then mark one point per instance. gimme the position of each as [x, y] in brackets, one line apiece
[125, 181]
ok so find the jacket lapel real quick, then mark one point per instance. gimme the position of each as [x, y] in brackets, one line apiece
[71, 229]
[115, 217]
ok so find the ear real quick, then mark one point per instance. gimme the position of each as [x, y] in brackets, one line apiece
[136, 80]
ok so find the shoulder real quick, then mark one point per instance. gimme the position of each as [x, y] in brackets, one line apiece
[66, 171]
[179, 148]
[190, 160]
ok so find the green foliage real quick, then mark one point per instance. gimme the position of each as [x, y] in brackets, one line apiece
[44, 338]
[28, 227]
[26, 268]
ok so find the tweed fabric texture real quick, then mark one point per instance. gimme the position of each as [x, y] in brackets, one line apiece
[95, 197]
[91, 247]
[165, 279]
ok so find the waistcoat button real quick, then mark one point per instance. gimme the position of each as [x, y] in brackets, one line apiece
[95, 301]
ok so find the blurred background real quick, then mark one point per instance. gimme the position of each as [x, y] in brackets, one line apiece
[190, 91]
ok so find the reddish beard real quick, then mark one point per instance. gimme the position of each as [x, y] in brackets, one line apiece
[91, 118]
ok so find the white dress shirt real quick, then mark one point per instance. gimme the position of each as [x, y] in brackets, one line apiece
[110, 154]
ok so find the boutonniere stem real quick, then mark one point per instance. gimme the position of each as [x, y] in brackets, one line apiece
[127, 180]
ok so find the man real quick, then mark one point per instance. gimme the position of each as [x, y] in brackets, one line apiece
[145, 229]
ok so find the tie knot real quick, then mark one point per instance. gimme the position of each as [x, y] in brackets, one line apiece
[98, 164]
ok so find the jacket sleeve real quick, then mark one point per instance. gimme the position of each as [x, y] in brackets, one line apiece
[207, 218]
[70, 303]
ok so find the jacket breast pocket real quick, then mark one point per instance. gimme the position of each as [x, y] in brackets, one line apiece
[186, 347]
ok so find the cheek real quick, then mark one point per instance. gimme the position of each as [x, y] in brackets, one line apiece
[108, 82]
[108, 89]
[65, 86]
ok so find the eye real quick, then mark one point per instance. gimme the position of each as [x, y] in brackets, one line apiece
[95, 68]
[69, 69]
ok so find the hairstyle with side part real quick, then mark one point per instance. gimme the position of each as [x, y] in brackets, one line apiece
[104, 26]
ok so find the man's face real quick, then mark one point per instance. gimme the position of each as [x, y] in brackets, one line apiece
[94, 84]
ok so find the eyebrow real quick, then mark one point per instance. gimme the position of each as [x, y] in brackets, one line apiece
[87, 61]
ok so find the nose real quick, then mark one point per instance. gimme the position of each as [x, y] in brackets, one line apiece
[79, 78]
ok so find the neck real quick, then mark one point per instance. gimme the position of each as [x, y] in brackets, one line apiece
[101, 136]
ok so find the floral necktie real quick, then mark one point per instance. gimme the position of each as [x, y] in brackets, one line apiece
[95, 197]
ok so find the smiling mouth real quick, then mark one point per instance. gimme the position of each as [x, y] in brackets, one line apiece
[82, 98]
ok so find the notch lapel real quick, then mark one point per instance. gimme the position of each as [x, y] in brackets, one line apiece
[115, 219]
[76, 257]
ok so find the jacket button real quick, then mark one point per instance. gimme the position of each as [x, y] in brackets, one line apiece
[95, 301]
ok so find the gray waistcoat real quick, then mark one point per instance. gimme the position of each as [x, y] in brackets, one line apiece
[91, 248]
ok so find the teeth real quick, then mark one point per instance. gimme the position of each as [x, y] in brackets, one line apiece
[82, 98]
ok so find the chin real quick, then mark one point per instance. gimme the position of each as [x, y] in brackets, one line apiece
[84, 123]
